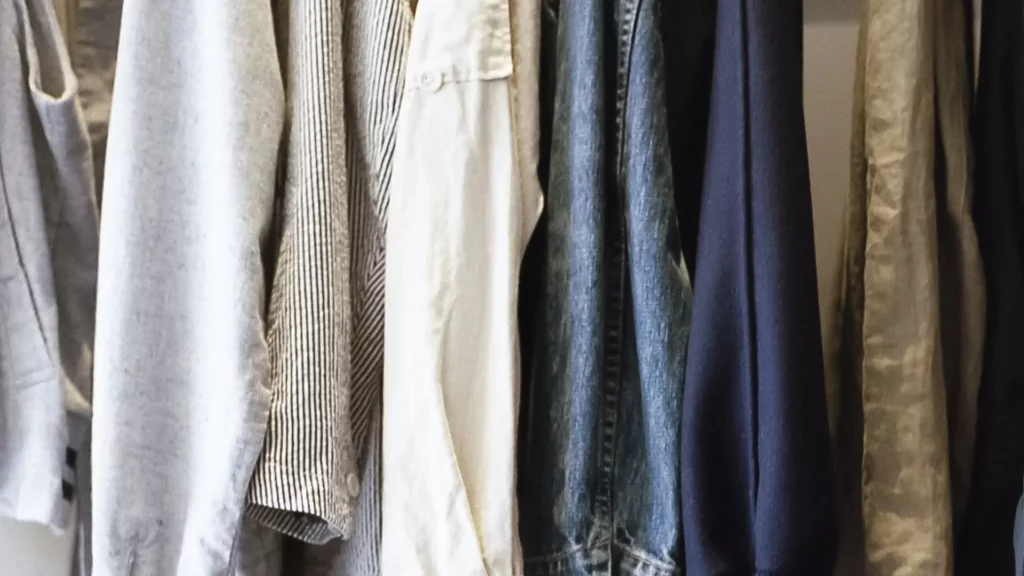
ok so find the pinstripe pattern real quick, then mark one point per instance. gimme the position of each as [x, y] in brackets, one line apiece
[375, 50]
[305, 480]
[360, 554]
[376, 42]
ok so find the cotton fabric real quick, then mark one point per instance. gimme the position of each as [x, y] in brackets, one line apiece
[599, 481]
[756, 467]
[376, 40]
[458, 223]
[305, 481]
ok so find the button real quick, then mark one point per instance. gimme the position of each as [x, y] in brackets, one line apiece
[353, 485]
[430, 81]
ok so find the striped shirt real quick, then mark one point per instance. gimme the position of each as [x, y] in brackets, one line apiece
[305, 479]
[303, 410]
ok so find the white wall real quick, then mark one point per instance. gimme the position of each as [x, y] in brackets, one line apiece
[830, 43]
[32, 550]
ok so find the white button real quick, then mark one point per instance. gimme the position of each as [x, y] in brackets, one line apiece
[353, 485]
[430, 81]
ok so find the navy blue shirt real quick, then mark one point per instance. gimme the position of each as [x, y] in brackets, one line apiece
[758, 494]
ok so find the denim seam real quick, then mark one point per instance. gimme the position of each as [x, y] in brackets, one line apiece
[558, 556]
[616, 278]
[627, 32]
[559, 564]
[555, 564]
[645, 559]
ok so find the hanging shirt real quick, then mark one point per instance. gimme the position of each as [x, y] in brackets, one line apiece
[892, 425]
[48, 244]
[458, 223]
[181, 369]
[305, 482]
[376, 42]
[911, 301]
[756, 468]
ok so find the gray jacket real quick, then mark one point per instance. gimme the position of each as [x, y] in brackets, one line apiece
[48, 242]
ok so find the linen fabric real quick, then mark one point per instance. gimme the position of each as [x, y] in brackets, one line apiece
[891, 342]
[48, 252]
[181, 370]
[911, 300]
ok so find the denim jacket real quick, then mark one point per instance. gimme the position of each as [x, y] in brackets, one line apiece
[599, 478]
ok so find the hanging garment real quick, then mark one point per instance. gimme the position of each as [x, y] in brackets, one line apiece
[985, 541]
[181, 369]
[599, 477]
[359, 555]
[376, 39]
[305, 481]
[756, 467]
[48, 244]
[459, 219]
[893, 428]
[911, 309]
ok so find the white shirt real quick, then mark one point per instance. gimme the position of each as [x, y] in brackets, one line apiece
[461, 213]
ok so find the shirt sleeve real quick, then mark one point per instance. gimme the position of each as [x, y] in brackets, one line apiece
[181, 397]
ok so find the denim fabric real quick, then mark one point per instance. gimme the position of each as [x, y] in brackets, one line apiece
[599, 478]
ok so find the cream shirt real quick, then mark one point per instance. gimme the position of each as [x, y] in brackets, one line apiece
[463, 205]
